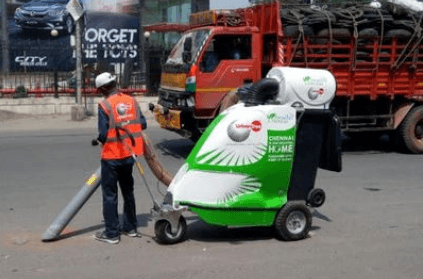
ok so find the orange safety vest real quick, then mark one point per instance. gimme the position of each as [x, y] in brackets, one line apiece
[123, 112]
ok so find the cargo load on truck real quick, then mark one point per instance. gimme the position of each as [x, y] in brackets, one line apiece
[375, 53]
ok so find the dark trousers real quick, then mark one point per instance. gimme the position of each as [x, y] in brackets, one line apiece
[113, 172]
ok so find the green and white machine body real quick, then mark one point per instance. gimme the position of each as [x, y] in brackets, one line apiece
[239, 172]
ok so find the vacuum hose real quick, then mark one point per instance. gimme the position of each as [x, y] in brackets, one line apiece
[153, 161]
[260, 92]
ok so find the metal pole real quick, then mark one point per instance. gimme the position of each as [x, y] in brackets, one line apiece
[78, 61]
[66, 215]
[141, 37]
[147, 65]
[56, 80]
[54, 34]
[5, 37]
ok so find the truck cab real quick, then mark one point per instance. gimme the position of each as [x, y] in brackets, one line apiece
[378, 70]
[221, 52]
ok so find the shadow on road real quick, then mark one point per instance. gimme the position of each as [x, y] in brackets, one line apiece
[317, 214]
[369, 144]
[77, 232]
[177, 148]
[141, 218]
[200, 231]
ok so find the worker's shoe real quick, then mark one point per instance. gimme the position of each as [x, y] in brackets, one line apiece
[132, 233]
[103, 237]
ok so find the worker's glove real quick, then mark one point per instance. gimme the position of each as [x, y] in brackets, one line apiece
[94, 142]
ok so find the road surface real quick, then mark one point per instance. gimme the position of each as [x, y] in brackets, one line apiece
[371, 225]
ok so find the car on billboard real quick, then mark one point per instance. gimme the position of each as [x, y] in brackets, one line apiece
[45, 15]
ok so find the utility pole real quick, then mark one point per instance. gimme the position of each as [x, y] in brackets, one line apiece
[4, 37]
[78, 61]
[141, 50]
[147, 63]
[77, 12]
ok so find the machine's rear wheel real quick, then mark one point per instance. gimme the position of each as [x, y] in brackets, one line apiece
[316, 197]
[163, 232]
[411, 131]
[293, 222]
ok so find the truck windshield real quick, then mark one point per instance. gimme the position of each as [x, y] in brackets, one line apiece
[198, 38]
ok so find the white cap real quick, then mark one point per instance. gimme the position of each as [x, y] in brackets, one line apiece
[104, 79]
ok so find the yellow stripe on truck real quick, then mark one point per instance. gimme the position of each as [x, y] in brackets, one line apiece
[214, 89]
[173, 80]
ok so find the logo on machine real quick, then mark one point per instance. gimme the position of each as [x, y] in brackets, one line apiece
[313, 93]
[239, 132]
[274, 118]
[321, 81]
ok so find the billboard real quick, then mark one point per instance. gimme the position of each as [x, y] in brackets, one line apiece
[40, 35]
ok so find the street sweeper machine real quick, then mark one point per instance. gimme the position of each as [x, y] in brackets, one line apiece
[255, 165]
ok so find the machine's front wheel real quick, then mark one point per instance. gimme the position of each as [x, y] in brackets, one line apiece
[293, 222]
[164, 234]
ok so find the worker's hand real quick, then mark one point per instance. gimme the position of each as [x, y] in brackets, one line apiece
[94, 142]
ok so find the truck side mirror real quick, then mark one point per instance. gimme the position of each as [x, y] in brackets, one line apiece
[188, 44]
[186, 56]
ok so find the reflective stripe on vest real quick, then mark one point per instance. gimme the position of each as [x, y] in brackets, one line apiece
[123, 112]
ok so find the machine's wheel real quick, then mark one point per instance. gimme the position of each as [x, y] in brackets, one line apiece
[293, 221]
[411, 131]
[316, 197]
[164, 234]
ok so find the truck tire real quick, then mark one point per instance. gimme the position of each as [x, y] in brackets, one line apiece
[368, 33]
[411, 131]
[292, 31]
[195, 136]
[337, 34]
[398, 33]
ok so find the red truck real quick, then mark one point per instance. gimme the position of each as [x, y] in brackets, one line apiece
[375, 56]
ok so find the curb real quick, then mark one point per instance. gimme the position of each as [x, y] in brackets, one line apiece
[61, 105]
[14, 120]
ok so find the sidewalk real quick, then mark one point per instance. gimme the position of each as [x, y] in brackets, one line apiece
[12, 122]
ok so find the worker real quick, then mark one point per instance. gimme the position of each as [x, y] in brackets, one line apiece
[210, 59]
[236, 49]
[118, 115]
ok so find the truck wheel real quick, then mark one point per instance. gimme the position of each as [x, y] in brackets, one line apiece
[164, 234]
[316, 197]
[195, 136]
[411, 131]
[293, 221]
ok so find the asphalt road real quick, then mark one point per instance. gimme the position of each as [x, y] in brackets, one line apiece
[371, 225]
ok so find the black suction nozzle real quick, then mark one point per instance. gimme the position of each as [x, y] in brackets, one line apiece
[261, 92]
